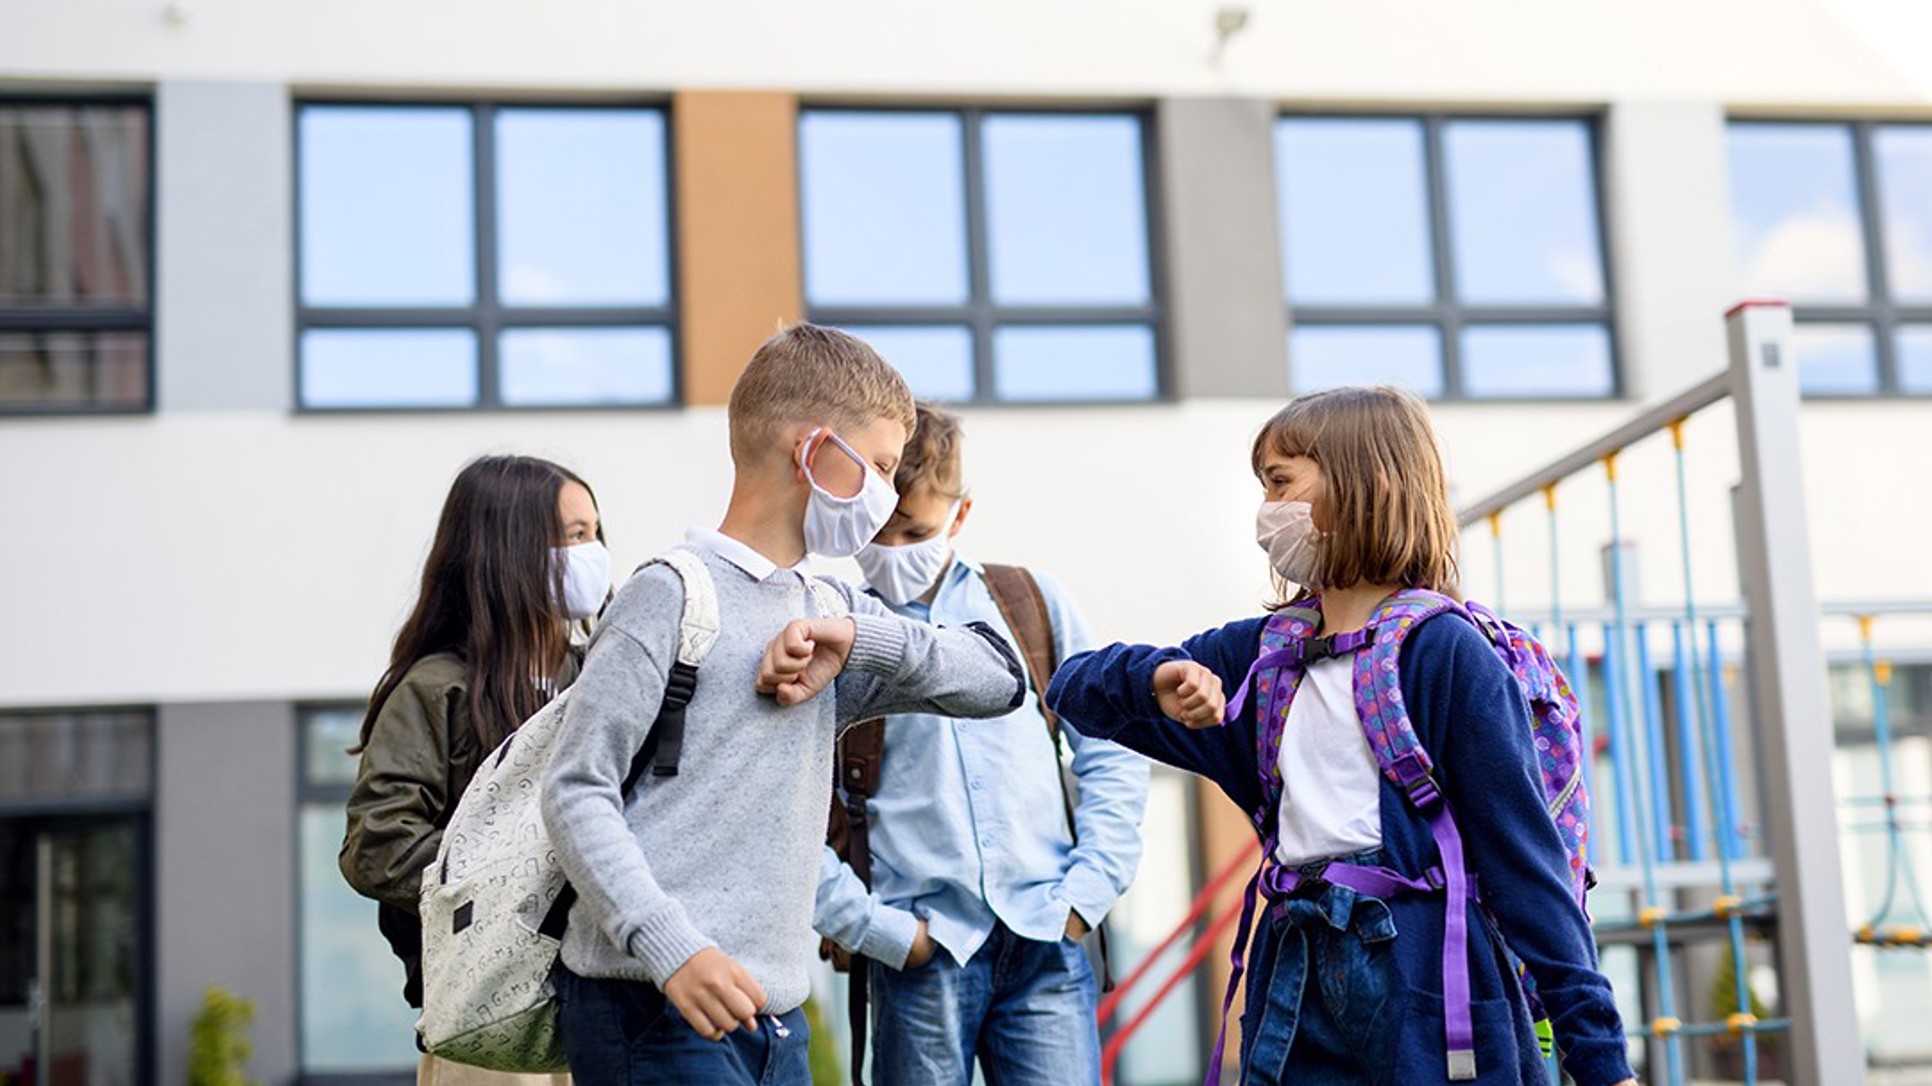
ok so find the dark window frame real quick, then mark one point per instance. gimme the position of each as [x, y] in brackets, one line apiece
[1449, 317]
[979, 314]
[486, 316]
[95, 319]
[1880, 314]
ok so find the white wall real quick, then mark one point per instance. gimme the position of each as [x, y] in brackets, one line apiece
[1776, 52]
[218, 555]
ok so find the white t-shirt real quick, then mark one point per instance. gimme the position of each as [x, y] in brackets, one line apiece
[1331, 791]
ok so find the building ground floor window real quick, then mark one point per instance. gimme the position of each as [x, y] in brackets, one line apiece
[76, 898]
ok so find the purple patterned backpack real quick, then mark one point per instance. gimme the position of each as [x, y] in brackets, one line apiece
[1290, 642]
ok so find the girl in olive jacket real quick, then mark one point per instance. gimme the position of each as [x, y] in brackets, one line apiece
[518, 561]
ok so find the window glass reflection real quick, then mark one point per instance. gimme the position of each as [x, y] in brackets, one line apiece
[549, 367]
[1523, 212]
[1354, 208]
[1835, 359]
[353, 1014]
[1794, 200]
[383, 367]
[74, 369]
[1066, 210]
[936, 360]
[1903, 155]
[387, 206]
[1537, 360]
[73, 205]
[581, 207]
[1915, 359]
[1327, 356]
[1075, 362]
[884, 207]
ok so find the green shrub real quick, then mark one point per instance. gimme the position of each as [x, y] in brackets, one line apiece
[827, 1068]
[218, 1045]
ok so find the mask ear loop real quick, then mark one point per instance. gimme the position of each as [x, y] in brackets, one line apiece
[806, 452]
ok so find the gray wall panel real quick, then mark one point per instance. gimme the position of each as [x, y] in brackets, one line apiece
[223, 198]
[225, 876]
[1668, 201]
[1228, 321]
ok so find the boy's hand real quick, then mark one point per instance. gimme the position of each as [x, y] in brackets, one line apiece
[923, 948]
[1189, 693]
[715, 994]
[805, 657]
[1077, 928]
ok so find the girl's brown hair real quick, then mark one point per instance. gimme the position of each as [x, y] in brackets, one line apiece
[1386, 496]
[489, 595]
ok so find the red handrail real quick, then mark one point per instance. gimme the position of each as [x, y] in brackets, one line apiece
[1110, 1055]
[1197, 953]
[1202, 900]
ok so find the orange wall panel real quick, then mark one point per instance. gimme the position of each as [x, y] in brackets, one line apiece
[738, 238]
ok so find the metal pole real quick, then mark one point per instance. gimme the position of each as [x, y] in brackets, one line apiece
[1787, 666]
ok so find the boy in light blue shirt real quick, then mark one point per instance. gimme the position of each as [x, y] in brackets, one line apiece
[981, 896]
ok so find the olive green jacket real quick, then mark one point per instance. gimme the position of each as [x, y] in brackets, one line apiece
[420, 757]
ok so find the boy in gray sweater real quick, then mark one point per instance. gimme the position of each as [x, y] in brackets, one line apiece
[685, 960]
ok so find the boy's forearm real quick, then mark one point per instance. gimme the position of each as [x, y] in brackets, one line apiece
[859, 920]
[903, 666]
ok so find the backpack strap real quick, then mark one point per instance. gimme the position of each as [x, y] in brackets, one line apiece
[1401, 758]
[1016, 592]
[697, 634]
[860, 751]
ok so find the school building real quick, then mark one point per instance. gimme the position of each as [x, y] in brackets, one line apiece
[272, 270]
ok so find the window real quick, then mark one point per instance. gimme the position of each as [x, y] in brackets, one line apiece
[486, 256]
[76, 256]
[353, 1020]
[990, 256]
[1837, 218]
[1460, 258]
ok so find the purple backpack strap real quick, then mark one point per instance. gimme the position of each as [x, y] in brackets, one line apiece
[1399, 753]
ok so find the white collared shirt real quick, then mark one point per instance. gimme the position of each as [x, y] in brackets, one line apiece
[737, 552]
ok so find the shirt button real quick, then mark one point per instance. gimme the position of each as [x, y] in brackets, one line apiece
[978, 784]
[986, 842]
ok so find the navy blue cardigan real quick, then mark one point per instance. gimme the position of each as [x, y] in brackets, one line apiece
[1471, 717]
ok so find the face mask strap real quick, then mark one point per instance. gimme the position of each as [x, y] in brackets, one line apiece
[807, 451]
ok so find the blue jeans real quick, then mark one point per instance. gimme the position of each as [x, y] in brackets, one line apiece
[1333, 1000]
[1023, 1009]
[625, 1033]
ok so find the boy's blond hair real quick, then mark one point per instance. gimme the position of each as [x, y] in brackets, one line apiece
[811, 374]
[933, 457]
[1386, 495]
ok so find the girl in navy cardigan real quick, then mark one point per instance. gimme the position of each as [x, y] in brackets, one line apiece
[1346, 987]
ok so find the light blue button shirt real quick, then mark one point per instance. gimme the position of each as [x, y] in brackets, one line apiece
[968, 828]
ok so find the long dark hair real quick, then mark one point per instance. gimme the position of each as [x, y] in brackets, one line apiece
[490, 593]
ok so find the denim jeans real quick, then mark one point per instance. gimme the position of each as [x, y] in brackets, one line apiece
[625, 1033]
[1333, 1001]
[1023, 1009]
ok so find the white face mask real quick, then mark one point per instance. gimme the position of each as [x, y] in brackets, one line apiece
[838, 527]
[586, 578]
[1286, 530]
[903, 574]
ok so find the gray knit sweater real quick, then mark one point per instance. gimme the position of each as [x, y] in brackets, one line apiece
[726, 853]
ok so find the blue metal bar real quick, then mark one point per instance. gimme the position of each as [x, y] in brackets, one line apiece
[1730, 822]
[1661, 821]
[1619, 749]
[1684, 685]
[1627, 752]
